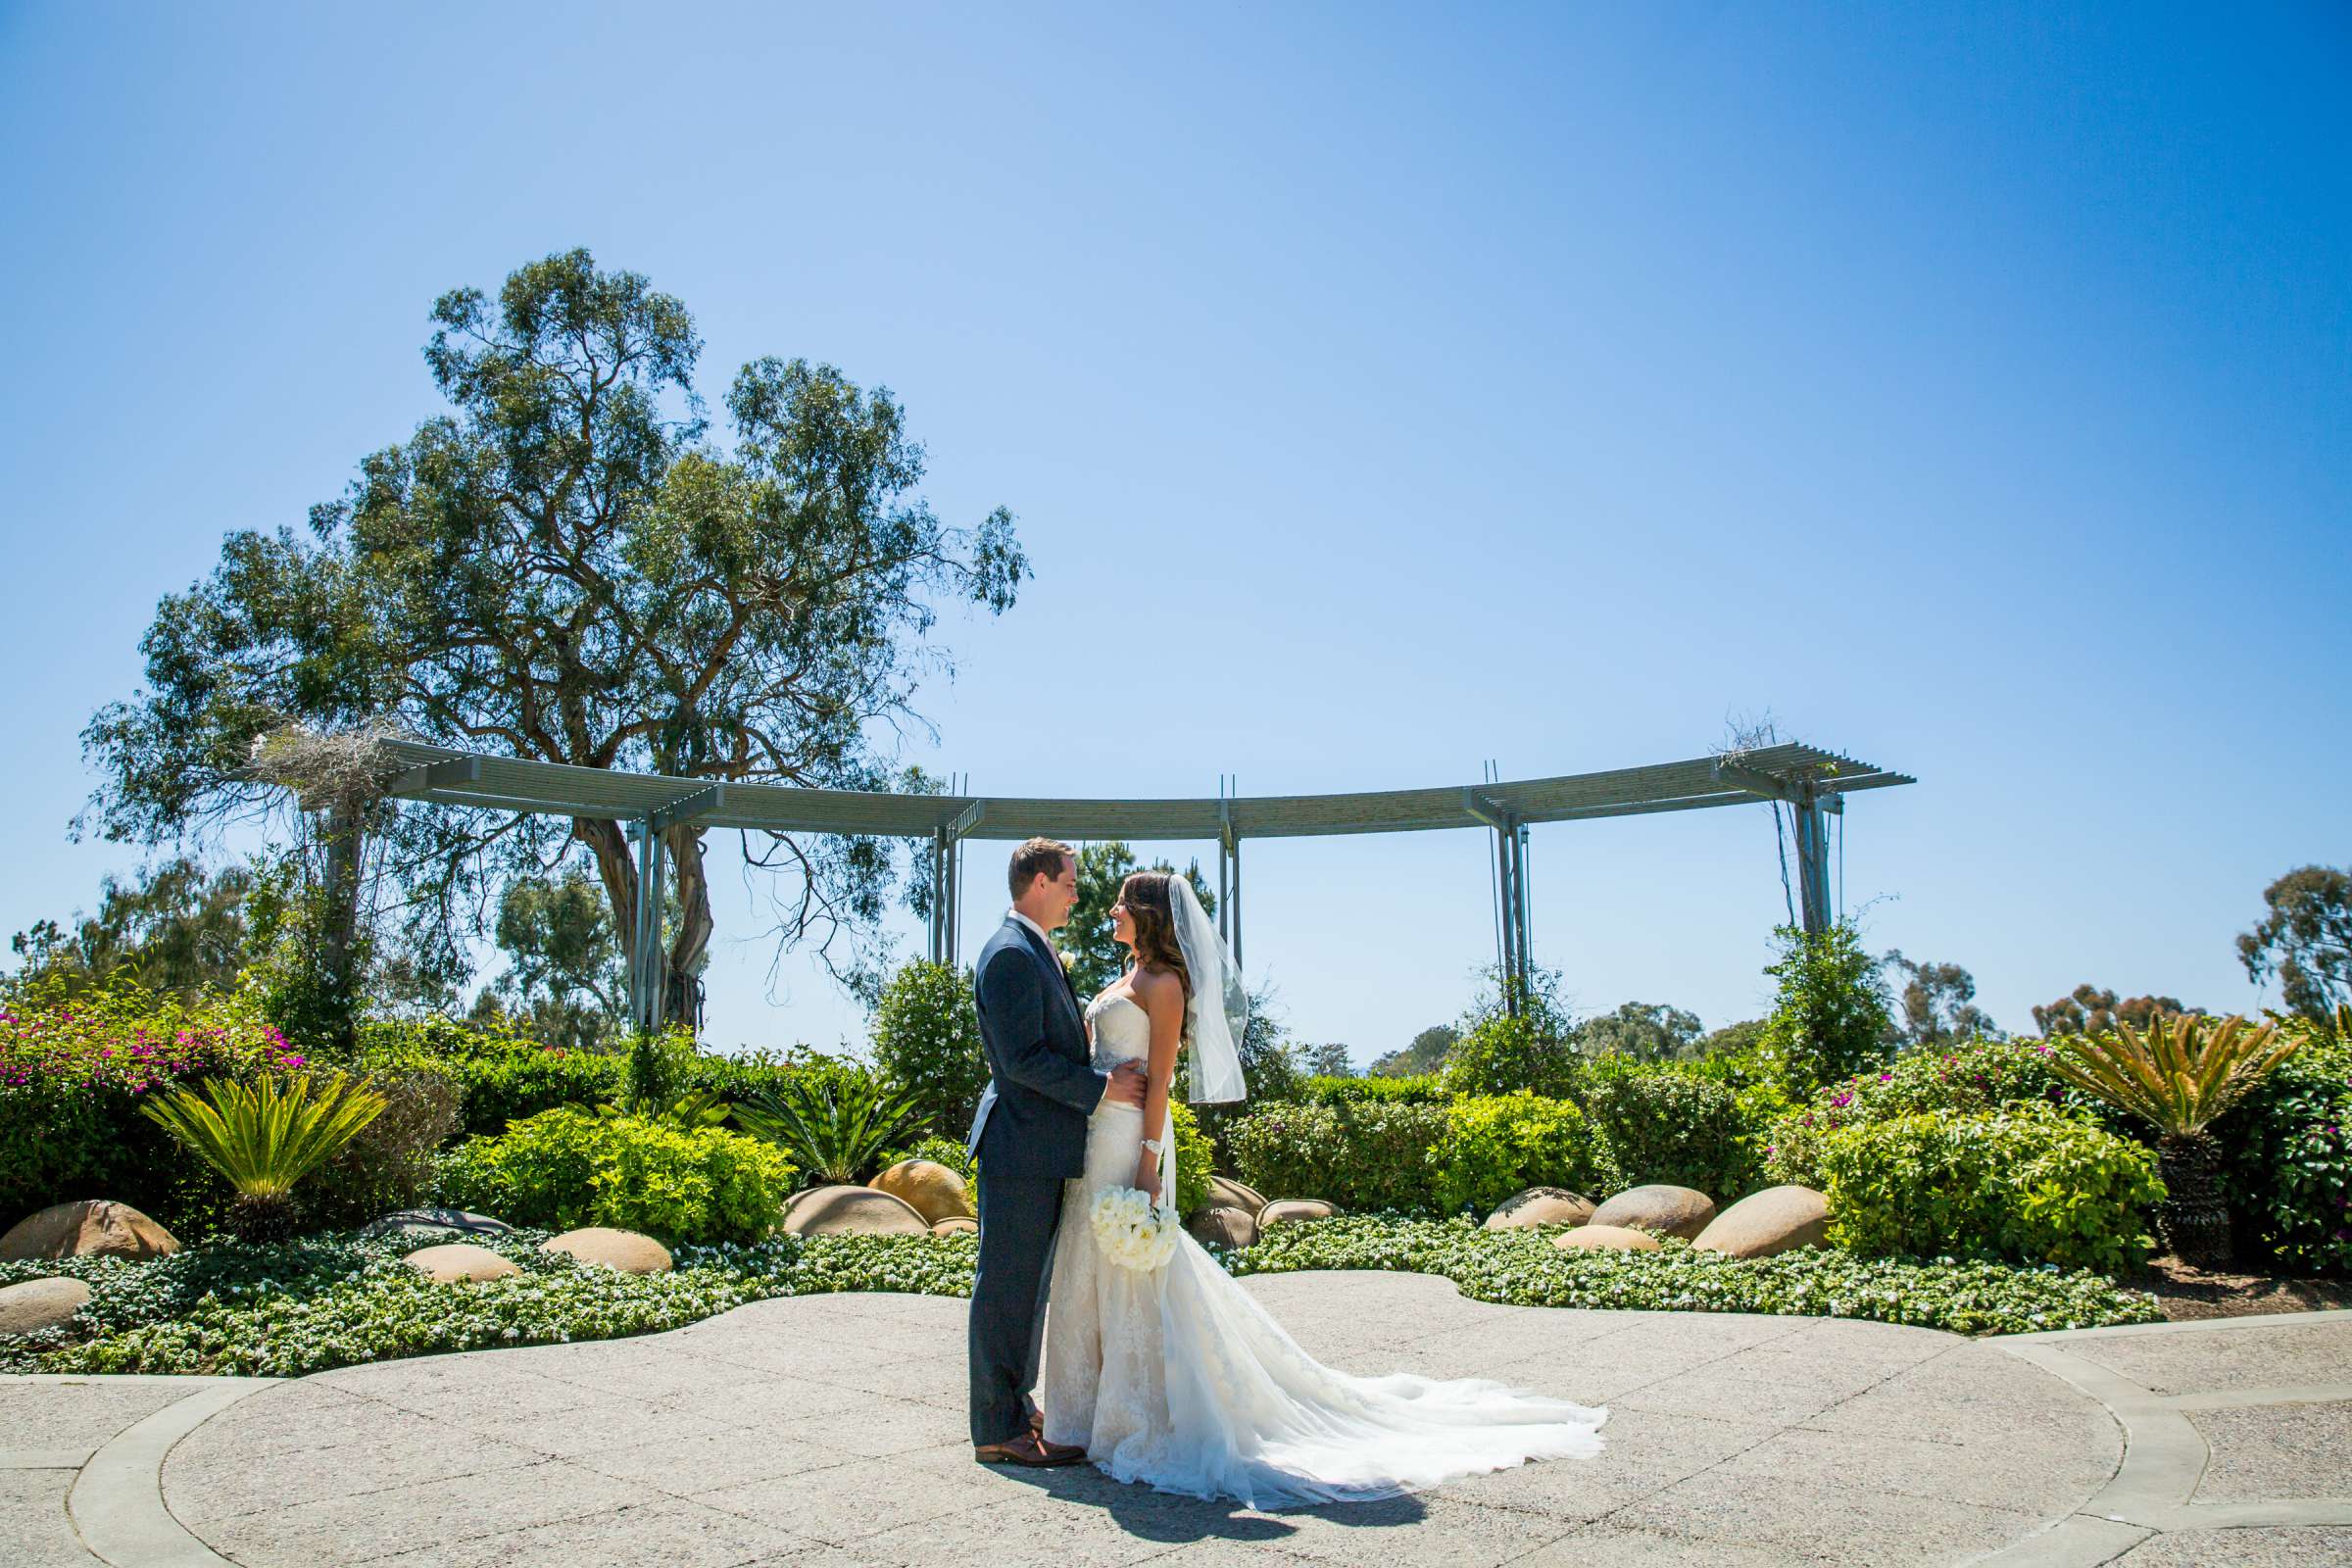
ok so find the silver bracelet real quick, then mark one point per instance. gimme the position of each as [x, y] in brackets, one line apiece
[1152, 1143]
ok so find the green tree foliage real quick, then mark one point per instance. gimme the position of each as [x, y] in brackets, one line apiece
[2305, 939]
[567, 566]
[1503, 1050]
[566, 979]
[1096, 959]
[2089, 1011]
[1424, 1054]
[1643, 1031]
[926, 1037]
[1330, 1059]
[179, 928]
[1830, 1019]
[1936, 1006]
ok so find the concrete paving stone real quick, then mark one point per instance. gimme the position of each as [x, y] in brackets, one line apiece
[1571, 1491]
[1673, 1342]
[1588, 1375]
[847, 1502]
[2191, 1362]
[881, 1427]
[1030, 1528]
[684, 1466]
[2025, 1474]
[606, 1422]
[1608, 1545]
[1963, 1393]
[773, 1404]
[2273, 1546]
[1221, 1553]
[642, 1371]
[302, 1415]
[433, 1385]
[926, 1379]
[1410, 1531]
[35, 1531]
[1761, 1385]
[355, 1529]
[1892, 1345]
[202, 1487]
[1812, 1517]
[1660, 1439]
[782, 1352]
[2276, 1451]
[78, 1414]
[671, 1532]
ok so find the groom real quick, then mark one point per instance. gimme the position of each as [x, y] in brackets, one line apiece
[1029, 1136]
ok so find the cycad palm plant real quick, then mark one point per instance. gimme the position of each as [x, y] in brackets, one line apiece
[837, 1129]
[266, 1137]
[2179, 1077]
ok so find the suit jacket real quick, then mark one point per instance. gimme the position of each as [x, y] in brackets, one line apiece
[1041, 1085]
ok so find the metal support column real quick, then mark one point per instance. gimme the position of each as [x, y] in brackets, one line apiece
[1813, 857]
[1510, 893]
[939, 894]
[646, 957]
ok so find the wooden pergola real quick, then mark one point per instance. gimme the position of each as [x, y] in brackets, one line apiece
[1811, 782]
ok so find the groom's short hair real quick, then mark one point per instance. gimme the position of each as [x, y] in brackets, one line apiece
[1037, 858]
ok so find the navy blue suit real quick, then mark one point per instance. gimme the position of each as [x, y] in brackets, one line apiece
[1030, 1137]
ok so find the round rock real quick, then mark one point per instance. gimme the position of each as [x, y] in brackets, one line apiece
[850, 1212]
[452, 1261]
[90, 1228]
[426, 1225]
[1607, 1238]
[1294, 1211]
[1541, 1206]
[1224, 1225]
[955, 1225]
[1777, 1219]
[927, 1187]
[1234, 1194]
[1668, 1210]
[30, 1306]
[626, 1250]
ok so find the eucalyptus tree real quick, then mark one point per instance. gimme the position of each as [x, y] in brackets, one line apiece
[568, 565]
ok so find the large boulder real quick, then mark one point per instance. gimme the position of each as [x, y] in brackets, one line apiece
[852, 1212]
[1541, 1206]
[626, 1250]
[1668, 1210]
[1607, 1238]
[957, 1225]
[90, 1228]
[1234, 1194]
[1294, 1211]
[1777, 1219]
[453, 1261]
[427, 1225]
[1224, 1225]
[927, 1187]
[30, 1306]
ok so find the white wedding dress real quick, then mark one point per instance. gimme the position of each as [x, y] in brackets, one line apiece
[1180, 1379]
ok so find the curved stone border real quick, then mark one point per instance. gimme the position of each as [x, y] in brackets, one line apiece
[116, 1503]
[2164, 1454]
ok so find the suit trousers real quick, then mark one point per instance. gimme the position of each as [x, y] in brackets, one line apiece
[1018, 1218]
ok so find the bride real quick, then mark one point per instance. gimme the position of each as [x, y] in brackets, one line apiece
[1178, 1377]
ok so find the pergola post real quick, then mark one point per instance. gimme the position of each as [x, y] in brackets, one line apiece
[1812, 810]
[1510, 893]
[645, 944]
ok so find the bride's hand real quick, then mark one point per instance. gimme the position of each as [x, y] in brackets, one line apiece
[1146, 1174]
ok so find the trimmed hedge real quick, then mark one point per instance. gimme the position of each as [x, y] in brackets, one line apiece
[569, 1167]
[1364, 1155]
[2028, 1185]
[1419, 1088]
[2289, 1160]
[1498, 1144]
[1660, 1125]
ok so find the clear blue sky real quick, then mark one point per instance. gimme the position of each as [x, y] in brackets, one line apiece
[1968, 386]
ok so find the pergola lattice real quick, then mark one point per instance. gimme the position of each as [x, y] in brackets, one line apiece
[1811, 782]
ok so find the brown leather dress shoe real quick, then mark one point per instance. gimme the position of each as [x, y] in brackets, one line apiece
[1028, 1450]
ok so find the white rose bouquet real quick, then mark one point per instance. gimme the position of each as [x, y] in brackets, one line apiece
[1134, 1232]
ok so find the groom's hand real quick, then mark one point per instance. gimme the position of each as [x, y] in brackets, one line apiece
[1127, 1085]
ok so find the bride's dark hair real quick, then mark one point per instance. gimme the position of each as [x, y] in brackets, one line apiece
[1148, 899]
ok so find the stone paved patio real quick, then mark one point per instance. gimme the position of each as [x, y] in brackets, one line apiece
[828, 1432]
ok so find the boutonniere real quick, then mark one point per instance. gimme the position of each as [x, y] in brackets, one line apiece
[1069, 960]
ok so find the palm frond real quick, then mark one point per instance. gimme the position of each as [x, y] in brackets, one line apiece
[2181, 1075]
[837, 1130]
[266, 1137]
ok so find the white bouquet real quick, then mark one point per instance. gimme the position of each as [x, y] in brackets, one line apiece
[1134, 1232]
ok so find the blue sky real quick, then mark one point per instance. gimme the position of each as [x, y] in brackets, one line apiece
[1967, 386]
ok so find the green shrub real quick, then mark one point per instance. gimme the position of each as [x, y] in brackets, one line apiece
[2030, 1184]
[1662, 1124]
[1364, 1155]
[1497, 1144]
[1194, 1161]
[837, 1128]
[76, 1067]
[1418, 1088]
[2288, 1164]
[390, 1165]
[1830, 1020]
[1501, 1054]
[568, 1167]
[926, 1036]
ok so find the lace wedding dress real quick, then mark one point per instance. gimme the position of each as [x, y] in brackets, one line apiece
[1180, 1379]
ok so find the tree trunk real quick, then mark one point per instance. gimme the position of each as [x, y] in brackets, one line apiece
[343, 835]
[2193, 1223]
[682, 994]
